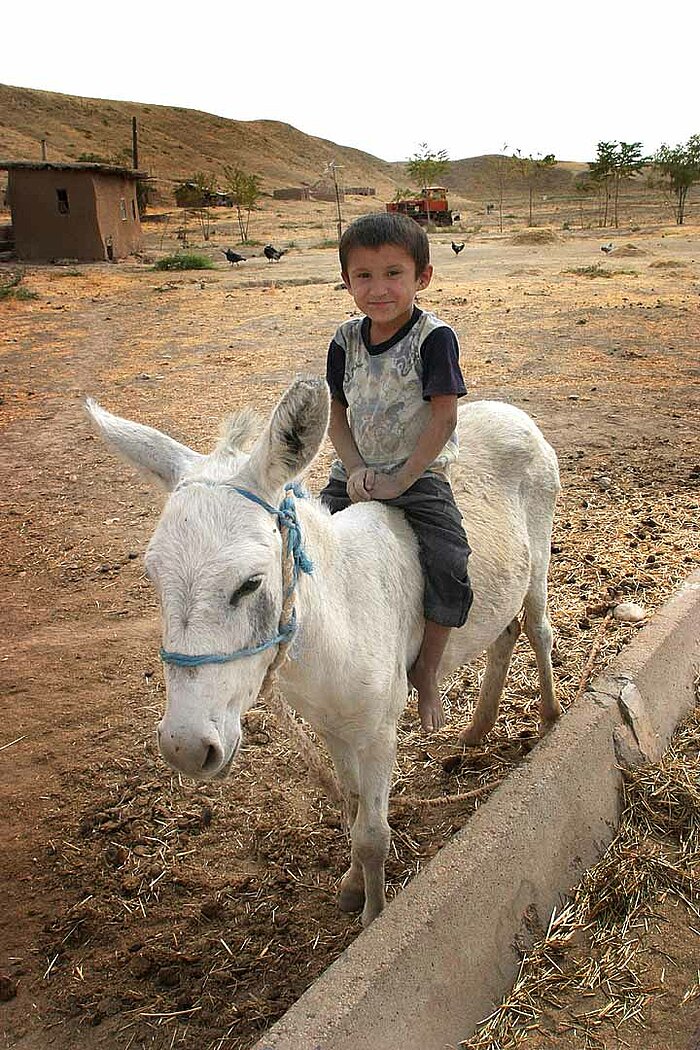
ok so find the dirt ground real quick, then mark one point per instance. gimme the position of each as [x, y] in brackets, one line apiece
[142, 911]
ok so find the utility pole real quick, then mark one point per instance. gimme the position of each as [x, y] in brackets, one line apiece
[134, 144]
[332, 170]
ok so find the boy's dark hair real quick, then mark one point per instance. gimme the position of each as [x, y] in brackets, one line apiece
[379, 228]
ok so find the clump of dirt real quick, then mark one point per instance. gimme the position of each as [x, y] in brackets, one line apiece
[535, 237]
[628, 251]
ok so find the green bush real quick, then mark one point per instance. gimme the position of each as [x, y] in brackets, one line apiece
[184, 261]
[12, 289]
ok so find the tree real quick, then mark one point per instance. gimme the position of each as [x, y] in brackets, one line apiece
[498, 167]
[615, 163]
[404, 193]
[426, 167]
[600, 173]
[245, 191]
[196, 194]
[531, 168]
[680, 168]
[629, 162]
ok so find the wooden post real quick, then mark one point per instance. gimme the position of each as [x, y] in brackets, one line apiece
[134, 144]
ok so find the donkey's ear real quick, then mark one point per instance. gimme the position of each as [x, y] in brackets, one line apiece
[160, 458]
[292, 437]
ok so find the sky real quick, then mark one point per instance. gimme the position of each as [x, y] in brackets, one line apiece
[540, 77]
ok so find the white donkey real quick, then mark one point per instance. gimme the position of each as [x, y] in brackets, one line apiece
[216, 561]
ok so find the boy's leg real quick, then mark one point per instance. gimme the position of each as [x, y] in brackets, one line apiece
[431, 511]
[335, 496]
[423, 676]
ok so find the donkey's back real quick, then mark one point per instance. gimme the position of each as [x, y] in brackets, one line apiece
[506, 484]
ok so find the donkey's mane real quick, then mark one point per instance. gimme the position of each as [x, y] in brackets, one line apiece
[239, 432]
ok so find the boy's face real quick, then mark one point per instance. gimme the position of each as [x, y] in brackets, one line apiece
[383, 283]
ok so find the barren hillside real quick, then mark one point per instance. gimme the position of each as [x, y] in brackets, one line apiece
[174, 143]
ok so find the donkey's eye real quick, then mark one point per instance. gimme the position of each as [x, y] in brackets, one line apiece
[246, 588]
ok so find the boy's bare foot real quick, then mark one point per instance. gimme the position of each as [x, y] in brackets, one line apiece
[430, 709]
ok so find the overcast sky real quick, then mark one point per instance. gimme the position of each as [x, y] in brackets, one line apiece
[539, 76]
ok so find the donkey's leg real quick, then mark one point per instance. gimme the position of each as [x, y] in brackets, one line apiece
[497, 664]
[539, 632]
[371, 834]
[352, 885]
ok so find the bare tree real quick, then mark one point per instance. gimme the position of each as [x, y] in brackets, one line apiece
[497, 169]
[195, 194]
[531, 169]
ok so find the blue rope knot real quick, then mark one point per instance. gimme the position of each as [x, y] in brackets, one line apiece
[286, 514]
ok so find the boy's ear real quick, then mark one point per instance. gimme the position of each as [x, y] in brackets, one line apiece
[346, 279]
[425, 277]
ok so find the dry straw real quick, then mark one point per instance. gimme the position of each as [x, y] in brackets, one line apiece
[654, 856]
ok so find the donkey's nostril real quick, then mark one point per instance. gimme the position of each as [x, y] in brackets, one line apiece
[212, 759]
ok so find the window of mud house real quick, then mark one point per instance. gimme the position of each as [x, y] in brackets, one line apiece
[133, 209]
[122, 209]
[62, 201]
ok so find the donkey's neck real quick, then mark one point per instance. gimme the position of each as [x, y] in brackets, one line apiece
[360, 611]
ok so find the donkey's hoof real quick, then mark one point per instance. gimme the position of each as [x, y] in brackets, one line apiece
[546, 726]
[370, 914]
[470, 737]
[351, 898]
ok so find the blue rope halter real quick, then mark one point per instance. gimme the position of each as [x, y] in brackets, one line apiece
[286, 514]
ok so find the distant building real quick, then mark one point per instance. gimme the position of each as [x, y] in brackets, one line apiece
[291, 193]
[190, 195]
[360, 191]
[73, 211]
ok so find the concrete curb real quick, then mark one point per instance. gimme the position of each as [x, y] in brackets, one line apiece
[443, 953]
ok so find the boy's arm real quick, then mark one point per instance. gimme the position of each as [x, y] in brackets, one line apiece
[360, 477]
[442, 422]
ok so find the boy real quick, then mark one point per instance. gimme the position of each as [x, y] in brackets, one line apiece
[394, 378]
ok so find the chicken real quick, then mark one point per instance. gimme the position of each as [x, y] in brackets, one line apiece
[456, 248]
[272, 254]
[233, 257]
[607, 248]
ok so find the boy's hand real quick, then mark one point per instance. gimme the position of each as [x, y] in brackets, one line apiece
[387, 486]
[361, 484]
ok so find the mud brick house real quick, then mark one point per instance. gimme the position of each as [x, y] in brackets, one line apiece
[292, 193]
[73, 211]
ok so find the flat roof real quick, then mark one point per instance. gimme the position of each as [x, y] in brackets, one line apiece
[47, 165]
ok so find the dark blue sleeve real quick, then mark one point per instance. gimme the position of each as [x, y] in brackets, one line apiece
[335, 372]
[441, 372]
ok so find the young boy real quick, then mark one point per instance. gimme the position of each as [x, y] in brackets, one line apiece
[395, 379]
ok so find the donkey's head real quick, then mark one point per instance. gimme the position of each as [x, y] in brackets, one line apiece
[216, 562]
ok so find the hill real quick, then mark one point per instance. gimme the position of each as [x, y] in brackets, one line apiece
[174, 143]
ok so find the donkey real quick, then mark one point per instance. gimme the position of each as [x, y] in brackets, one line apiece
[216, 561]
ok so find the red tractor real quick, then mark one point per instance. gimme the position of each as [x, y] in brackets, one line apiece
[431, 207]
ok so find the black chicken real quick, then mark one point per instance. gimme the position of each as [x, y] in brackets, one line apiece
[272, 254]
[456, 248]
[233, 257]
